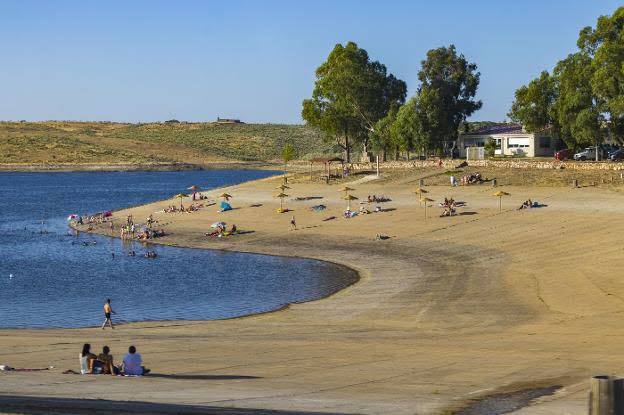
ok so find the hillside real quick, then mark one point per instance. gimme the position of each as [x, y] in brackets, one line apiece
[103, 142]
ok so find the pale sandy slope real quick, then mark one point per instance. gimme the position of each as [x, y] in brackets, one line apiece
[448, 309]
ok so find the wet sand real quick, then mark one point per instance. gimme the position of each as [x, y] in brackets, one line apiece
[447, 310]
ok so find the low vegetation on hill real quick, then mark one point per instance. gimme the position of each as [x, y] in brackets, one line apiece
[103, 142]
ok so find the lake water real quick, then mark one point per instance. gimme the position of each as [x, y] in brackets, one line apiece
[51, 278]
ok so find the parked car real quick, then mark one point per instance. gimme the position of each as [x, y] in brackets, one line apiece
[617, 155]
[565, 154]
[587, 153]
[608, 149]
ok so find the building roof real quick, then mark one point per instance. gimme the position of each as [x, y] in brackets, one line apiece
[326, 159]
[503, 128]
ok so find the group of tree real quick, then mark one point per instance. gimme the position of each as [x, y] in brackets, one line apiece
[358, 104]
[582, 100]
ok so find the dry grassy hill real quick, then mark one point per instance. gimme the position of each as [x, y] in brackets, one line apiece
[103, 142]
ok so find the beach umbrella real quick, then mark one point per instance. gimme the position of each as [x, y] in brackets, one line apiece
[349, 198]
[194, 188]
[426, 200]
[225, 196]
[420, 191]
[181, 196]
[346, 190]
[500, 195]
[282, 187]
[281, 196]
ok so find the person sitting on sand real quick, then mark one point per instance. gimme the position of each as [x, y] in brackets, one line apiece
[133, 363]
[106, 359]
[87, 360]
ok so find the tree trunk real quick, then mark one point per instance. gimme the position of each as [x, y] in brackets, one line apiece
[408, 155]
[384, 156]
[347, 150]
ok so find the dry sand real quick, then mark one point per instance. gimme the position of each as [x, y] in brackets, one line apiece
[447, 310]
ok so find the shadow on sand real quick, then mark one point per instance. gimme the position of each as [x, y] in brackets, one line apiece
[34, 405]
[200, 377]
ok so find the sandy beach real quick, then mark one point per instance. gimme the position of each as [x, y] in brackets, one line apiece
[447, 310]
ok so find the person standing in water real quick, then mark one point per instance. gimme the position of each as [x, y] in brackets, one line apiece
[107, 314]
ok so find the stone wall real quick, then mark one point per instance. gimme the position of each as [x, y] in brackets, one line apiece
[508, 164]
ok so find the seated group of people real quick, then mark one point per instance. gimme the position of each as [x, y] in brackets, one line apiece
[377, 199]
[149, 234]
[221, 231]
[448, 207]
[365, 211]
[472, 178]
[198, 196]
[193, 207]
[528, 204]
[103, 364]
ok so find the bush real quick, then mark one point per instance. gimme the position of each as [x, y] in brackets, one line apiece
[490, 147]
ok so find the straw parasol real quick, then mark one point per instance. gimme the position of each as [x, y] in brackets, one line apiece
[349, 198]
[282, 187]
[420, 191]
[181, 196]
[225, 196]
[426, 200]
[346, 190]
[281, 196]
[500, 195]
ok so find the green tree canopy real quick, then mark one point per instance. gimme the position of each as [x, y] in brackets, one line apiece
[605, 45]
[382, 136]
[577, 109]
[583, 98]
[288, 153]
[446, 95]
[350, 95]
[533, 104]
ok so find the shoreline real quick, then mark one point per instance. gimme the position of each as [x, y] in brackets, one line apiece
[446, 311]
[130, 167]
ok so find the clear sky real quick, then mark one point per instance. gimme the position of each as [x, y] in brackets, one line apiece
[255, 60]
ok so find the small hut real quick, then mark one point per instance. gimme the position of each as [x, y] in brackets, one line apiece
[327, 162]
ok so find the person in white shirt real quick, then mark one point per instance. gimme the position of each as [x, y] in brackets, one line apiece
[133, 364]
[87, 360]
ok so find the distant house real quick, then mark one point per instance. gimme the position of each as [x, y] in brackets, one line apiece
[511, 139]
[228, 121]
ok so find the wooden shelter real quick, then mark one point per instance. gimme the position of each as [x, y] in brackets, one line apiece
[327, 162]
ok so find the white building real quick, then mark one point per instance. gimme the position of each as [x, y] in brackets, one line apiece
[511, 140]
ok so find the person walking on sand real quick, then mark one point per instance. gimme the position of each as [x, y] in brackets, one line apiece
[293, 223]
[107, 314]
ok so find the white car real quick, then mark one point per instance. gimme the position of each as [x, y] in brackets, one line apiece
[587, 154]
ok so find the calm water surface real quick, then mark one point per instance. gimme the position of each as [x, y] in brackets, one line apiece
[49, 278]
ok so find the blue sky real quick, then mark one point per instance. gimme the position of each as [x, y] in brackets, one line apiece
[255, 60]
